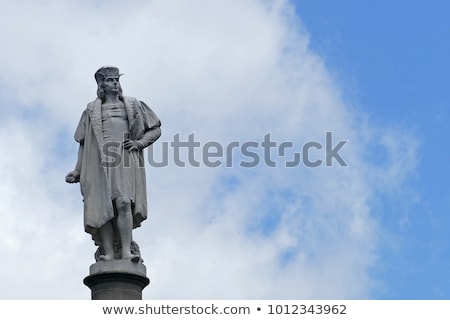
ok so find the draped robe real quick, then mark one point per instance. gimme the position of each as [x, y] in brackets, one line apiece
[144, 127]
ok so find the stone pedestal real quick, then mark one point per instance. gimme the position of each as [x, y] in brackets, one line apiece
[117, 280]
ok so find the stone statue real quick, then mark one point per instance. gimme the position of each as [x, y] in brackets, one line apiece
[112, 133]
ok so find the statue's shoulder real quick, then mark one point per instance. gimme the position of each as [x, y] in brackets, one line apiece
[131, 100]
[95, 103]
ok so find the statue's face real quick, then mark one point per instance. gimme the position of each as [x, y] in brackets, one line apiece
[111, 85]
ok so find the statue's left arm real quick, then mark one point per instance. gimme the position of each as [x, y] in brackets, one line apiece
[149, 127]
[152, 126]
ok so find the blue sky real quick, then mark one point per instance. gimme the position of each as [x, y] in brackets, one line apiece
[376, 75]
[393, 60]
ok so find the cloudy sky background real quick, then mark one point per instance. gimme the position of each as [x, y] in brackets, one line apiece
[376, 76]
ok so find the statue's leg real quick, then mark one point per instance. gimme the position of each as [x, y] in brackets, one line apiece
[106, 236]
[125, 227]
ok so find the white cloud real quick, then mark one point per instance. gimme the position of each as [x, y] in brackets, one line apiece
[232, 70]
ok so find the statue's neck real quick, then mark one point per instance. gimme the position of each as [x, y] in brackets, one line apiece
[111, 98]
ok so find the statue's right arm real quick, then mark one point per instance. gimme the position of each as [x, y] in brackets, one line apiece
[74, 175]
[80, 157]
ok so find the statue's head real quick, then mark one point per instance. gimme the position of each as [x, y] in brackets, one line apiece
[101, 75]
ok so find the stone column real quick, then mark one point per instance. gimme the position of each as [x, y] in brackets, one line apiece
[117, 280]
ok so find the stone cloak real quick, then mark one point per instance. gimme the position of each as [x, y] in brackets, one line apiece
[144, 127]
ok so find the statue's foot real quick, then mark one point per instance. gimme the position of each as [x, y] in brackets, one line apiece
[106, 257]
[132, 257]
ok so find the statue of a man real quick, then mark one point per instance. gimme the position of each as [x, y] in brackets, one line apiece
[112, 133]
